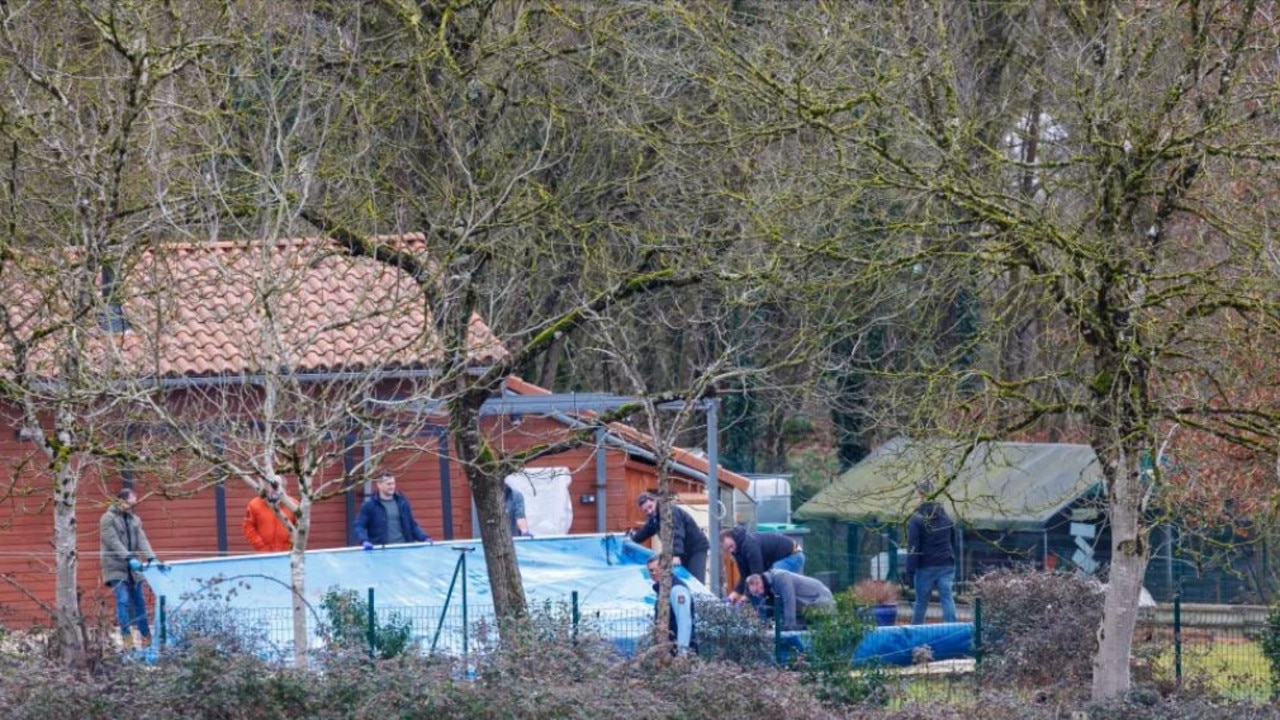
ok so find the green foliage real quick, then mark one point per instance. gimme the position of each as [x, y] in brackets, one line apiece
[827, 664]
[349, 625]
[1270, 641]
[812, 469]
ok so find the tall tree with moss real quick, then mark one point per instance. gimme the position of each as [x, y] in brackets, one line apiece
[1094, 175]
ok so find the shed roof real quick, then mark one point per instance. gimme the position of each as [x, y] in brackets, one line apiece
[997, 486]
[592, 403]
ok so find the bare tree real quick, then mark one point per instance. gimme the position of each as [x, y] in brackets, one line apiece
[82, 194]
[472, 127]
[1073, 182]
[311, 338]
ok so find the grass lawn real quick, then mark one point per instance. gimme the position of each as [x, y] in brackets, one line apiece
[1234, 668]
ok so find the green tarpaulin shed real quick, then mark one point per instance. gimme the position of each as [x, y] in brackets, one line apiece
[992, 486]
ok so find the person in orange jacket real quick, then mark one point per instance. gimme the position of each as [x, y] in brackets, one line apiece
[262, 528]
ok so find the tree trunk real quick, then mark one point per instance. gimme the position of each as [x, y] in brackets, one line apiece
[486, 476]
[298, 580]
[66, 592]
[666, 535]
[499, 550]
[1111, 675]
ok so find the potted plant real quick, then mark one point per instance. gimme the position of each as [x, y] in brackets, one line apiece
[881, 596]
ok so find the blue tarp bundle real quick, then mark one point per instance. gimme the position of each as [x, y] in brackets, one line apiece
[895, 645]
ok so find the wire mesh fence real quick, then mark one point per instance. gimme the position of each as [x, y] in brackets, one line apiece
[1217, 650]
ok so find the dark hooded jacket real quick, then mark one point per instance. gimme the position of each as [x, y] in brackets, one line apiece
[686, 537]
[756, 552]
[930, 534]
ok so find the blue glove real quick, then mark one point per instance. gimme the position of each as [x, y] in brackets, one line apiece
[366, 545]
[135, 564]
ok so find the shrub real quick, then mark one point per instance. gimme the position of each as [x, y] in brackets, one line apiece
[1039, 628]
[349, 626]
[731, 633]
[1002, 705]
[1270, 641]
[875, 592]
[216, 625]
[827, 662]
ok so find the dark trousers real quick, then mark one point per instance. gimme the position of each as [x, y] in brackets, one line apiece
[696, 564]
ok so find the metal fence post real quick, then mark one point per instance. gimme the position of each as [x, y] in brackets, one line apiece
[372, 629]
[777, 629]
[977, 632]
[463, 564]
[162, 620]
[1177, 640]
[574, 617]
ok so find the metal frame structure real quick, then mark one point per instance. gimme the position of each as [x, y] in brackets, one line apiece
[563, 406]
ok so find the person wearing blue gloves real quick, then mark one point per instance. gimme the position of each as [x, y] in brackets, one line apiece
[689, 545]
[125, 553]
[385, 517]
[680, 630]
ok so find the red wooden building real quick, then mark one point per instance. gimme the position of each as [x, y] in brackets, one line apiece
[197, 346]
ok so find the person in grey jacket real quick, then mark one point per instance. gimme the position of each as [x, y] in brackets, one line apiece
[125, 552]
[794, 595]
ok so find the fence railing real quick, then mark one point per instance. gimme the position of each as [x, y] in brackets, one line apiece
[1174, 648]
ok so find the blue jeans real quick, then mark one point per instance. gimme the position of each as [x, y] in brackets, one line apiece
[131, 608]
[791, 563]
[927, 578]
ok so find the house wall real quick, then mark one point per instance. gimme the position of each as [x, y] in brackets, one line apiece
[187, 525]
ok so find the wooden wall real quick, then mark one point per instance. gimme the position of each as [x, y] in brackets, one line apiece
[188, 526]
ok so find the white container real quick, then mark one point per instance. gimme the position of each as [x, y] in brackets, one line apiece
[772, 496]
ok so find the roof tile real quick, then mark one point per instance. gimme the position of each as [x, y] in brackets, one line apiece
[232, 308]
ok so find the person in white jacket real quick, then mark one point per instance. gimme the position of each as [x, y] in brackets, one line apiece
[680, 632]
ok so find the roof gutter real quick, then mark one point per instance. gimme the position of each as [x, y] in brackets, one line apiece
[170, 383]
[631, 448]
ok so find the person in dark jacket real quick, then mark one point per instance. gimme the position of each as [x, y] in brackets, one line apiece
[689, 545]
[515, 512]
[794, 595]
[931, 560]
[124, 553]
[756, 552]
[386, 519]
[681, 618]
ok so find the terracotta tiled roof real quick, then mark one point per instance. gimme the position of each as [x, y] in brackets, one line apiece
[520, 386]
[233, 308]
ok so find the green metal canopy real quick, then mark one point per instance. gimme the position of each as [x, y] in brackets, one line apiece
[991, 486]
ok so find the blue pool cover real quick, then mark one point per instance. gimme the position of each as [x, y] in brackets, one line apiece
[606, 571]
